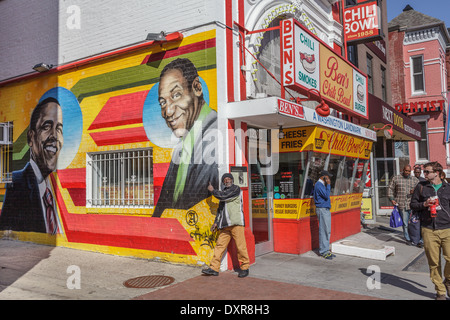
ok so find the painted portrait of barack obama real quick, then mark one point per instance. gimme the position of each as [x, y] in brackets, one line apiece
[29, 203]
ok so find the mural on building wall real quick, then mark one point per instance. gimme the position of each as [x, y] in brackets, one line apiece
[29, 202]
[130, 150]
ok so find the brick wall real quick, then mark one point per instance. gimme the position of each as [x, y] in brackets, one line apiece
[29, 34]
[62, 31]
[107, 25]
[397, 66]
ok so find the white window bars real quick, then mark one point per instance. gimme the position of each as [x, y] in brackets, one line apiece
[121, 179]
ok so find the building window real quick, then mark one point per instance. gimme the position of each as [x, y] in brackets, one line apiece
[370, 73]
[352, 55]
[383, 84]
[422, 144]
[6, 136]
[120, 179]
[417, 74]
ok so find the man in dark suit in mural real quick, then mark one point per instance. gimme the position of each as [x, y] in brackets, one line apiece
[194, 161]
[29, 204]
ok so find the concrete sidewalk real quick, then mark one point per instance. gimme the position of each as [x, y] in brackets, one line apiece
[30, 271]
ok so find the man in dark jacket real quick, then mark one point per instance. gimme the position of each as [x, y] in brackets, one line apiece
[230, 221]
[194, 158]
[29, 204]
[322, 192]
[432, 200]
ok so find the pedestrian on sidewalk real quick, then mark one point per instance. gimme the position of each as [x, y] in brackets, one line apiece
[400, 191]
[433, 202]
[414, 221]
[418, 173]
[230, 223]
[322, 192]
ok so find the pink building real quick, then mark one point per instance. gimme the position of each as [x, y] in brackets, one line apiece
[418, 48]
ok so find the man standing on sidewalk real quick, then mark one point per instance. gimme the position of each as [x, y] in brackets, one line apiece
[432, 199]
[400, 191]
[322, 192]
[230, 222]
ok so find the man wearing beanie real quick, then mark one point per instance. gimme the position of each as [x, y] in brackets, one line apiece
[230, 222]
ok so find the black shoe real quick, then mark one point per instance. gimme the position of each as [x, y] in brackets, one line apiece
[210, 272]
[243, 273]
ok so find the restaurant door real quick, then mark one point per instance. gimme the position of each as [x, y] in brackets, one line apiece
[385, 170]
[261, 189]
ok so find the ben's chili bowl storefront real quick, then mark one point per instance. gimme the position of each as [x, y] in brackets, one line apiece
[286, 147]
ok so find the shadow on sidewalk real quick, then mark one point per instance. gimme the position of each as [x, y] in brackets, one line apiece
[396, 281]
[17, 258]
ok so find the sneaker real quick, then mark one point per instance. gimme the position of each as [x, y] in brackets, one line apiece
[327, 256]
[243, 273]
[440, 297]
[210, 272]
[447, 286]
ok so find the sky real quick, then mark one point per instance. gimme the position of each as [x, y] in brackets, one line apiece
[439, 9]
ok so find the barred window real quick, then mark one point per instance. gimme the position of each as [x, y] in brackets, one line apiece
[6, 151]
[120, 179]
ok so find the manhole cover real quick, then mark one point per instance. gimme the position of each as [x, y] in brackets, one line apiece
[148, 282]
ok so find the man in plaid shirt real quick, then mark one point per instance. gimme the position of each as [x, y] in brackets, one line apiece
[400, 192]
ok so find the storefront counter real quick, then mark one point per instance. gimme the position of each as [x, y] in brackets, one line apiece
[346, 157]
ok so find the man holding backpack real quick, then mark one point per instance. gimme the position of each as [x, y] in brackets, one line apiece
[432, 200]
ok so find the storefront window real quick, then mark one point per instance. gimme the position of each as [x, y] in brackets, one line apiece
[335, 167]
[349, 174]
[289, 180]
[359, 182]
[316, 163]
[344, 176]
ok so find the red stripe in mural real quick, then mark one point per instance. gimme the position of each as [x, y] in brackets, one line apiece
[210, 43]
[120, 136]
[72, 178]
[155, 234]
[121, 110]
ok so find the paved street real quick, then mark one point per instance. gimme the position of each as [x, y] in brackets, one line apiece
[30, 271]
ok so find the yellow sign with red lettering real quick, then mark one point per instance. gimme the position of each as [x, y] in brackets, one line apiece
[325, 141]
[341, 144]
[336, 78]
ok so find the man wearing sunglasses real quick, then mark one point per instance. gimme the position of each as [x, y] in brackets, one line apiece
[432, 200]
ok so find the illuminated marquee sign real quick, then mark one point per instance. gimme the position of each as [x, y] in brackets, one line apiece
[362, 22]
[420, 106]
[308, 63]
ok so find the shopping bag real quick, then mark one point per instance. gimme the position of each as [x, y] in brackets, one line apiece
[396, 219]
[414, 228]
